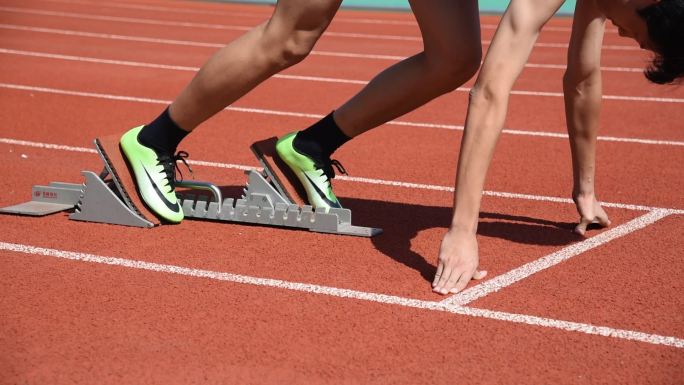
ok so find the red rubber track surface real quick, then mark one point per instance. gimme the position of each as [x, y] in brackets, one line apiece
[114, 322]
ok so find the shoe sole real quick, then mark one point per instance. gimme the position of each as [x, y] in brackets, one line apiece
[122, 174]
[317, 196]
[279, 172]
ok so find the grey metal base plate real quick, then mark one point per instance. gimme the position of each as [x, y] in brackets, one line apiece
[47, 200]
[262, 204]
[35, 209]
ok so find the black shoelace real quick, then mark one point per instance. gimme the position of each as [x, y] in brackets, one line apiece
[327, 167]
[170, 165]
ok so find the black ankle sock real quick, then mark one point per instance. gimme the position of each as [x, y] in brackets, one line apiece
[163, 134]
[321, 139]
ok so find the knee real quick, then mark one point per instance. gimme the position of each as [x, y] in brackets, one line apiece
[284, 49]
[298, 46]
[450, 68]
[471, 62]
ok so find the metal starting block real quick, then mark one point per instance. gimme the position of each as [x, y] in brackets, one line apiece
[266, 200]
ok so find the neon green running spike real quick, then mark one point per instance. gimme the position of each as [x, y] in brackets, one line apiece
[311, 175]
[154, 180]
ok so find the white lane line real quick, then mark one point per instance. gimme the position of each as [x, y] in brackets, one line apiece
[553, 259]
[601, 138]
[111, 36]
[319, 116]
[128, 63]
[62, 147]
[223, 165]
[389, 183]
[86, 59]
[604, 68]
[605, 97]
[133, 20]
[265, 15]
[188, 43]
[261, 15]
[142, 39]
[654, 339]
[568, 200]
[47, 146]
[570, 326]
[84, 16]
[499, 194]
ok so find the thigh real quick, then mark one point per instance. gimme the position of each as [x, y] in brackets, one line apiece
[450, 26]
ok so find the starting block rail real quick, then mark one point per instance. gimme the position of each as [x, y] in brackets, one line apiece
[102, 198]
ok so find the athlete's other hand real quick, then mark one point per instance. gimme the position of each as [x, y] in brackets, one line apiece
[590, 211]
[458, 262]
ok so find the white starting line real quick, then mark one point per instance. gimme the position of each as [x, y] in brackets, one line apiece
[654, 339]
[518, 274]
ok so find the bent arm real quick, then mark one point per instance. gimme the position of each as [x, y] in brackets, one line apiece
[508, 52]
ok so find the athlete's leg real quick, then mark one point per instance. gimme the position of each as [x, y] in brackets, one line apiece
[284, 40]
[451, 55]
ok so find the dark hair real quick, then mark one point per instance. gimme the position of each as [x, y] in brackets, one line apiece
[665, 22]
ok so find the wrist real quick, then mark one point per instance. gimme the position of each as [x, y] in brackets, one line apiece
[465, 217]
[583, 186]
[583, 191]
[463, 227]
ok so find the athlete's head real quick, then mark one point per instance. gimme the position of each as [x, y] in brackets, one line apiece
[657, 25]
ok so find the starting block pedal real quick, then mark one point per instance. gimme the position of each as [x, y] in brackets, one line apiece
[269, 198]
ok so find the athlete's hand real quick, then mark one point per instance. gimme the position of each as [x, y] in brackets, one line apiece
[458, 263]
[590, 211]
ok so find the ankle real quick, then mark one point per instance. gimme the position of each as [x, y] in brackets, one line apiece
[308, 147]
[322, 138]
[162, 134]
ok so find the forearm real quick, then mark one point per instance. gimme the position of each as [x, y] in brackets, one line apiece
[582, 109]
[486, 116]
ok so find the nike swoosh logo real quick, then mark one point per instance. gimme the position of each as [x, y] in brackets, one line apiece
[322, 194]
[172, 206]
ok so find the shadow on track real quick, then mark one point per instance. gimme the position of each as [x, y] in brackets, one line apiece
[401, 223]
